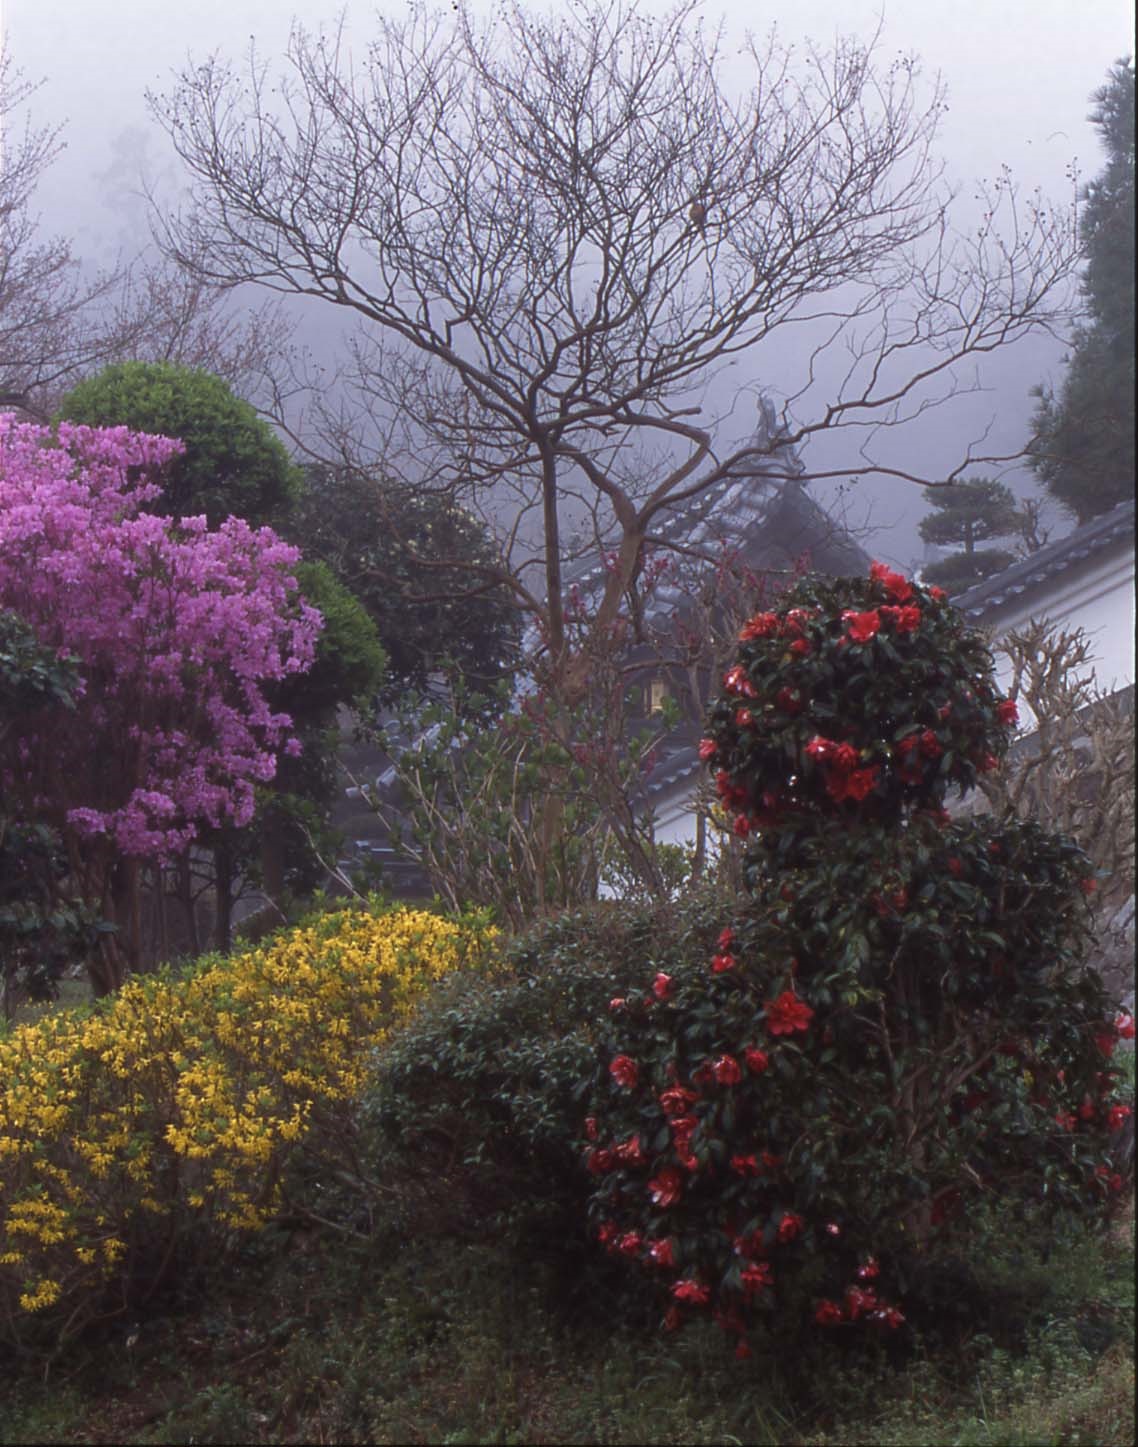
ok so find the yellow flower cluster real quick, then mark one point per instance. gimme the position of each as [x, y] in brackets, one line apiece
[174, 1103]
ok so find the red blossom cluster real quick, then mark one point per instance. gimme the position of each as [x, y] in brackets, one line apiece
[844, 780]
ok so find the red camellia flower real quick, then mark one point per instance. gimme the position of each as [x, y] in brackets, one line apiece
[756, 1277]
[675, 1100]
[1106, 1040]
[889, 1316]
[796, 621]
[744, 718]
[1124, 1026]
[745, 1165]
[742, 825]
[591, 1127]
[607, 1232]
[722, 962]
[789, 1227]
[757, 1060]
[666, 1188]
[726, 938]
[828, 1313]
[868, 1269]
[1088, 885]
[617, 1003]
[832, 1228]
[630, 1244]
[789, 700]
[630, 1152]
[904, 620]
[662, 1252]
[862, 626]
[844, 758]
[895, 584]
[598, 1162]
[930, 745]
[726, 1070]
[625, 1071]
[707, 748]
[859, 1301]
[987, 762]
[1116, 1116]
[820, 748]
[938, 593]
[683, 1128]
[857, 785]
[1066, 1121]
[662, 986]
[800, 647]
[693, 1291]
[787, 1014]
[762, 625]
[1008, 713]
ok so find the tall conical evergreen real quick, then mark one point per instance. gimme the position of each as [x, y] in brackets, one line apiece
[1083, 449]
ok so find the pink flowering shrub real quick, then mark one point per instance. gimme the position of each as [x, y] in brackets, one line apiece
[175, 629]
[895, 1032]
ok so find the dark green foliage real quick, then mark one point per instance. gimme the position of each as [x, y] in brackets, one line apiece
[895, 1030]
[282, 849]
[968, 514]
[233, 463]
[960, 571]
[425, 571]
[41, 933]
[479, 1099]
[350, 660]
[1083, 449]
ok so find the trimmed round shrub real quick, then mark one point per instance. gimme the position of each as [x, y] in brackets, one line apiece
[233, 463]
[476, 1104]
[894, 1032]
[159, 1123]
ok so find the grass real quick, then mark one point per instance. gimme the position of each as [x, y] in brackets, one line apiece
[318, 1338]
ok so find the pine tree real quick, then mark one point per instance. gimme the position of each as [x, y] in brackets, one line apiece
[1083, 449]
[970, 513]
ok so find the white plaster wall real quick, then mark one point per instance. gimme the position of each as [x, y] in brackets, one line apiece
[1098, 599]
[675, 819]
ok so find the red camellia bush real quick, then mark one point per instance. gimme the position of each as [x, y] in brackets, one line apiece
[897, 1032]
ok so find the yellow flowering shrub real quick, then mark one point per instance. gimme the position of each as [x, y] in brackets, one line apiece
[172, 1106]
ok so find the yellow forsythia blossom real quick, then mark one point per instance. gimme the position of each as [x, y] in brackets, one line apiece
[175, 1101]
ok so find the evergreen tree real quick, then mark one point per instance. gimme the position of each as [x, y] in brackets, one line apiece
[385, 545]
[970, 513]
[233, 463]
[1083, 449]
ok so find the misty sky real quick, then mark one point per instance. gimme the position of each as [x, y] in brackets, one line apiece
[1018, 72]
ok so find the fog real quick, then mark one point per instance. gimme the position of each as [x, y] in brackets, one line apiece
[1019, 74]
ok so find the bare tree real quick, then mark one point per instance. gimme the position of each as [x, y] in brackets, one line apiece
[48, 330]
[508, 208]
[59, 322]
[1074, 772]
